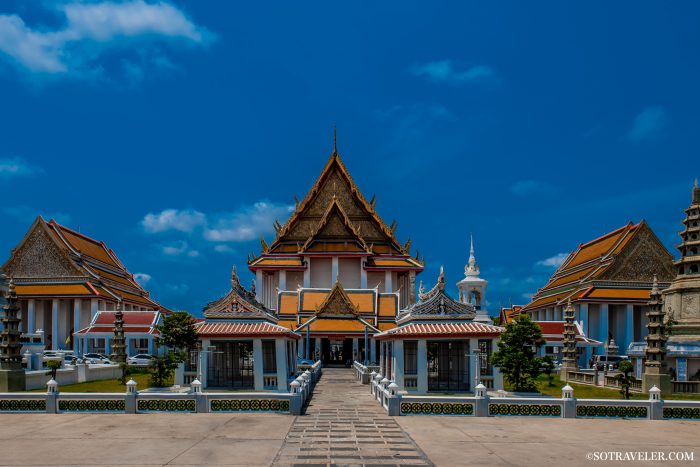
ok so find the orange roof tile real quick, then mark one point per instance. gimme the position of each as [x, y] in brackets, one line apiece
[87, 246]
[388, 305]
[336, 325]
[54, 290]
[600, 246]
[619, 294]
[289, 304]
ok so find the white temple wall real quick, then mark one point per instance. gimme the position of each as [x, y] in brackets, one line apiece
[349, 272]
[295, 279]
[375, 279]
[320, 269]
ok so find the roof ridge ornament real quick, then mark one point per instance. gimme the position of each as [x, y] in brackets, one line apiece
[335, 140]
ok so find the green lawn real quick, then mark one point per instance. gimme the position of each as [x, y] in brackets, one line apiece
[107, 385]
[583, 391]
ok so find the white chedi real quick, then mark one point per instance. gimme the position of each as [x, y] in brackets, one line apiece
[472, 289]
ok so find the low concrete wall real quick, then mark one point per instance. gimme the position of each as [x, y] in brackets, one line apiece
[72, 374]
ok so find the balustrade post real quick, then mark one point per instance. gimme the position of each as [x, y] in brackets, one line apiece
[481, 403]
[656, 409]
[130, 398]
[569, 406]
[52, 396]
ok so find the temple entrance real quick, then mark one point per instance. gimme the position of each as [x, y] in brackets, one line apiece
[448, 366]
[231, 366]
[336, 351]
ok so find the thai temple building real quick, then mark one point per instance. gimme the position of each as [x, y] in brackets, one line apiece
[242, 346]
[439, 346]
[64, 279]
[335, 273]
[472, 289]
[608, 281]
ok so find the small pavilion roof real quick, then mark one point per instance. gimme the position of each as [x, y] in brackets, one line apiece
[436, 304]
[258, 328]
[141, 322]
[441, 329]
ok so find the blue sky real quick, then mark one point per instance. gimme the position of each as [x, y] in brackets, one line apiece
[178, 131]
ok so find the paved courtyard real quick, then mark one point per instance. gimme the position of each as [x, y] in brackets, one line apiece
[343, 426]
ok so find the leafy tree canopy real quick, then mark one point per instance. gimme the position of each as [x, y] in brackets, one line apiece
[516, 355]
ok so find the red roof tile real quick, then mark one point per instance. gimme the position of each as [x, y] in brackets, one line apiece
[441, 330]
[250, 329]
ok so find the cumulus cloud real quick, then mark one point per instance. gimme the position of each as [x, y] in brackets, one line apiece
[247, 223]
[444, 71]
[525, 188]
[553, 261]
[16, 167]
[142, 278]
[179, 249]
[186, 220]
[91, 29]
[648, 124]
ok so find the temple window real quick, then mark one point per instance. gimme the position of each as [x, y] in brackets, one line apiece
[269, 356]
[231, 366]
[448, 365]
[320, 272]
[410, 352]
[485, 350]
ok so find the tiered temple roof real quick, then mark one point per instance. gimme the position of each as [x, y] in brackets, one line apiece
[617, 267]
[437, 314]
[55, 261]
[141, 322]
[334, 217]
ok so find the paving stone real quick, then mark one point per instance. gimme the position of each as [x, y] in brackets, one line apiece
[344, 425]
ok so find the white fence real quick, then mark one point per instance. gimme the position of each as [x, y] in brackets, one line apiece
[483, 405]
[195, 401]
[72, 374]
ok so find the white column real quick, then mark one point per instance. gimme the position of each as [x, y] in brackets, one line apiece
[76, 324]
[54, 324]
[355, 349]
[258, 365]
[422, 366]
[629, 328]
[583, 316]
[307, 272]
[363, 275]
[259, 285]
[93, 308]
[203, 363]
[283, 280]
[150, 345]
[603, 323]
[372, 351]
[388, 287]
[108, 346]
[281, 360]
[382, 368]
[397, 365]
[31, 317]
[334, 270]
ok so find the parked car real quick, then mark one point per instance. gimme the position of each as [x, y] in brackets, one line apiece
[96, 358]
[141, 359]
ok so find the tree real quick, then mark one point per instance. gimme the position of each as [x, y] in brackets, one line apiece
[625, 377]
[516, 353]
[548, 369]
[177, 334]
[162, 368]
[53, 366]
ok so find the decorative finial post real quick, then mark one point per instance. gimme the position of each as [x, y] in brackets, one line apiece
[655, 371]
[335, 140]
[11, 373]
[569, 351]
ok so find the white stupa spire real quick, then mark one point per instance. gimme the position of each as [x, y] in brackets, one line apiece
[471, 269]
[472, 289]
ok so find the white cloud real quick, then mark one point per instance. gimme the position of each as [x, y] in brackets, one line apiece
[223, 248]
[443, 71]
[248, 223]
[16, 167]
[142, 278]
[525, 188]
[179, 249]
[186, 220]
[554, 261]
[90, 30]
[648, 124]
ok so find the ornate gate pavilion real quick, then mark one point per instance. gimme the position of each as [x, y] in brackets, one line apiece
[335, 273]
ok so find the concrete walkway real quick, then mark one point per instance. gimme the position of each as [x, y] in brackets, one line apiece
[344, 425]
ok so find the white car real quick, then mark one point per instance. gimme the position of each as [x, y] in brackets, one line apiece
[141, 359]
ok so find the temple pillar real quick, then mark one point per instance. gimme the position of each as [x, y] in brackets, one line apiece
[54, 324]
[412, 287]
[583, 316]
[203, 363]
[363, 275]
[307, 272]
[422, 367]
[31, 316]
[282, 280]
[372, 351]
[397, 363]
[93, 308]
[108, 346]
[603, 323]
[382, 367]
[355, 349]
[388, 287]
[259, 286]
[334, 270]
[76, 324]
[281, 360]
[258, 365]
[629, 328]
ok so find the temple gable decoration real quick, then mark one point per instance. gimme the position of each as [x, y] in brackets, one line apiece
[337, 304]
[239, 303]
[436, 304]
[335, 225]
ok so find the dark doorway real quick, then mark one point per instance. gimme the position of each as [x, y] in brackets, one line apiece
[336, 351]
[231, 365]
[448, 366]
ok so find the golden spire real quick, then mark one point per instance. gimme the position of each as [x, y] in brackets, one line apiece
[335, 140]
